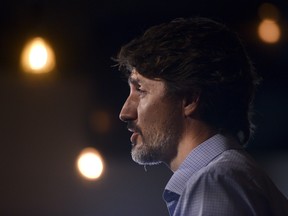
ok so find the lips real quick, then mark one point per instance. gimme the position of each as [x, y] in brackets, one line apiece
[134, 138]
[132, 127]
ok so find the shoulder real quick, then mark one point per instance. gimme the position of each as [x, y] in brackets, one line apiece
[231, 169]
[231, 184]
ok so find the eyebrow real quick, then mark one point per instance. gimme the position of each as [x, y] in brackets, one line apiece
[134, 81]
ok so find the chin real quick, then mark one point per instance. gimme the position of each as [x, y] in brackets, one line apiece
[144, 158]
[147, 163]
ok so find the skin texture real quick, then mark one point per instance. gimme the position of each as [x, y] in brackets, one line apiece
[164, 128]
[152, 117]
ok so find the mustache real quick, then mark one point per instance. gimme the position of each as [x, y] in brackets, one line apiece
[133, 127]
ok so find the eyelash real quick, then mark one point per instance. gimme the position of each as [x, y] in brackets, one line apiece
[139, 90]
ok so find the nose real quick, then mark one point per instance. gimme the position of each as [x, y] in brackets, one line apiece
[129, 110]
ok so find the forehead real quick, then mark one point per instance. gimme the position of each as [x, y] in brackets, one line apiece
[136, 77]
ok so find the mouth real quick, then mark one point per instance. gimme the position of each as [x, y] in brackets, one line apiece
[133, 138]
[135, 132]
[132, 127]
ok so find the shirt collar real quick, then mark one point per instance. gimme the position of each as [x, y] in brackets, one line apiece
[199, 158]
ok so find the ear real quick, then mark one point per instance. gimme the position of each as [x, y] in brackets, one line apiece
[190, 105]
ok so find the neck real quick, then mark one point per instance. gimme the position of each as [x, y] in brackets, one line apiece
[195, 133]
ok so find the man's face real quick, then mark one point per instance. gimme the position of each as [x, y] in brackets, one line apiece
[154, 118]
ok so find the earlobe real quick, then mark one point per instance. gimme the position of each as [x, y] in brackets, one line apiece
[190, 105]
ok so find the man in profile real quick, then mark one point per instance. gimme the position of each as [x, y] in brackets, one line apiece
[191, 89]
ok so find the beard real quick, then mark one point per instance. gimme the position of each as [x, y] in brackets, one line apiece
[158, 143]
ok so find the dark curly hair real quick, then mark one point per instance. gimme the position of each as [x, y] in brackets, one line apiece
[203, 58]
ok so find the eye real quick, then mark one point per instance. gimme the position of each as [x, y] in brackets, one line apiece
[139, 89]
[135, 86]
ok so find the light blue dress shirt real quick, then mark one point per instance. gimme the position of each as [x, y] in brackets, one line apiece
[219, 178]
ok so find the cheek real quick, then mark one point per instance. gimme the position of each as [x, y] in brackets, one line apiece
[153, 114]
[148, 111]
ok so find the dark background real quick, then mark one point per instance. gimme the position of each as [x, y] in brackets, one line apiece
[46, 120]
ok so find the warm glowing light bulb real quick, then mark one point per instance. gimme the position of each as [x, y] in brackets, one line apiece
[90, 164]
[101, 121]
[37, 56]
[269, 31]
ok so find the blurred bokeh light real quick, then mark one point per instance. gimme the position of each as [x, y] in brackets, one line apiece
[269, 31]
[90, 163]
[46, 118]
[100, 121]
[37, 56]
[268, 10]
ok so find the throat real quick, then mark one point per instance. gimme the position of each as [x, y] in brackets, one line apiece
[189, 142]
